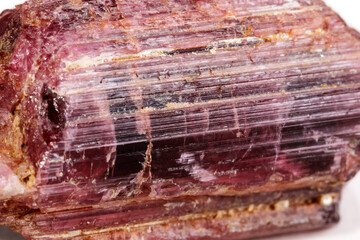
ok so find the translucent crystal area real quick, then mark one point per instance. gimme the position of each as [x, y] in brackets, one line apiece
[190, 119]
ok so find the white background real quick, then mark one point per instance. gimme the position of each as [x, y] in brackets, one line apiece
[349, 226]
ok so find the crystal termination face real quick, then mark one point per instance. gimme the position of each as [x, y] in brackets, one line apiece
[190, 119]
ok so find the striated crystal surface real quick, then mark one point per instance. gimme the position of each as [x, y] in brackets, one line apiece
[190, 119]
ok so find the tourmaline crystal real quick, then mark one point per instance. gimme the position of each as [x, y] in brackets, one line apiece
[175, 119]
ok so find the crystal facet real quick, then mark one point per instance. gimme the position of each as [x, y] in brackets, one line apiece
[176, 119]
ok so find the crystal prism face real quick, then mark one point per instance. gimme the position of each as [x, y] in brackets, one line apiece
[175, 119]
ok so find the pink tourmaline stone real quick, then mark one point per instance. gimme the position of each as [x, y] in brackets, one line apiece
[191, 119]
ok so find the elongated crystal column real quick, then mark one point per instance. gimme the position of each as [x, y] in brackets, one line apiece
[175, 119]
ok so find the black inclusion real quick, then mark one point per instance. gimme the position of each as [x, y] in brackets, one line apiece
[130, 157]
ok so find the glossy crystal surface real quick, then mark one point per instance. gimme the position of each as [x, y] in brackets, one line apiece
[175, 119]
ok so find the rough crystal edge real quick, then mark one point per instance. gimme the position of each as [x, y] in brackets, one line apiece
[231, 224]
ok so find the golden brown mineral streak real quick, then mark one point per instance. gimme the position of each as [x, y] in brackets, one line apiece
[175, 119]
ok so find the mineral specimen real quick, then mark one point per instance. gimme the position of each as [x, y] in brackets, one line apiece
[175, 119]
